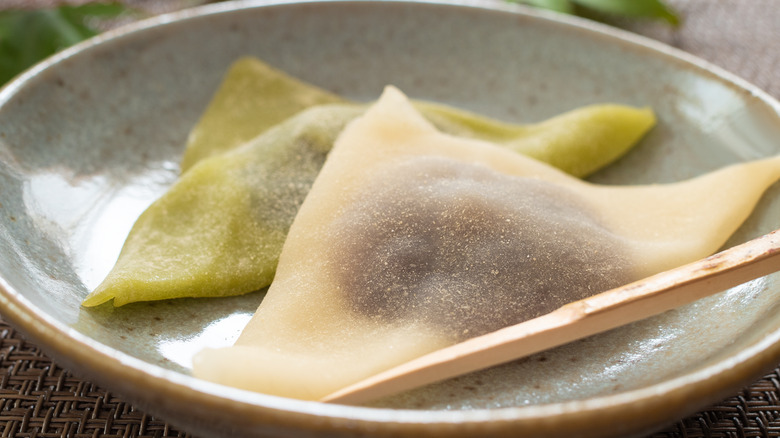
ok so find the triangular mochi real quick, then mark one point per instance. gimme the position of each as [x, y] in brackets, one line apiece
[251, 158]
[411, 240]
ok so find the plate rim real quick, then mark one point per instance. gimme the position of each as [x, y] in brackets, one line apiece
[67, 345]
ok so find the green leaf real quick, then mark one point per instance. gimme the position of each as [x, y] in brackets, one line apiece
[29, 36]
[98, 10]
[564, 6]
[656, 9]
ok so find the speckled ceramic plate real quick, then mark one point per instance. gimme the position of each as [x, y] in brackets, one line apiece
[89, 138]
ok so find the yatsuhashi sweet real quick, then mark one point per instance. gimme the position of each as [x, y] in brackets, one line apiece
[251, 159]
[412, 239]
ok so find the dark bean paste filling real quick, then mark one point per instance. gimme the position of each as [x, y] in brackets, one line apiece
[469, 250]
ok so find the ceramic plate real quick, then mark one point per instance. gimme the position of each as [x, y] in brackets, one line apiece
[90, 137]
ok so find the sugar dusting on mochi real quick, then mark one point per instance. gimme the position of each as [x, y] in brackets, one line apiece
[468, 250]
[411, 240]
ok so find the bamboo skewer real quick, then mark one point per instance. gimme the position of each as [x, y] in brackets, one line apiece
[577, 320]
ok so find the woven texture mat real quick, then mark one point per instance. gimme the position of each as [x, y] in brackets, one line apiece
[40, 399]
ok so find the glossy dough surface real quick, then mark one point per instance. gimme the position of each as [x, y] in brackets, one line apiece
[252, 157]
[410, 239]
[451, 244]
[219, 230]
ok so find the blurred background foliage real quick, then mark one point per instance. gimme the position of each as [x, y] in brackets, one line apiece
[31, 30]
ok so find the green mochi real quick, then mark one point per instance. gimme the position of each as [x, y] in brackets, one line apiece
[580, 142]
[220, 228]
[254, 96]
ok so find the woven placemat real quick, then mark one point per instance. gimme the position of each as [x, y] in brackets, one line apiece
[741, 36]
[40, 399]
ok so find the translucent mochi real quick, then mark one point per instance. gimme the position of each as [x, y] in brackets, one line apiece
[218, 231]
[254, 96]
[411, 240]
[449, 243]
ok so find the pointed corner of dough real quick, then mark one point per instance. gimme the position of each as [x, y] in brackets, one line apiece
[250, 67]
[640, 119]
[98, 297]
[112, 290]
[395, 107]
[649, 115]
[393, 98]
[393, 92]
[247, 62]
